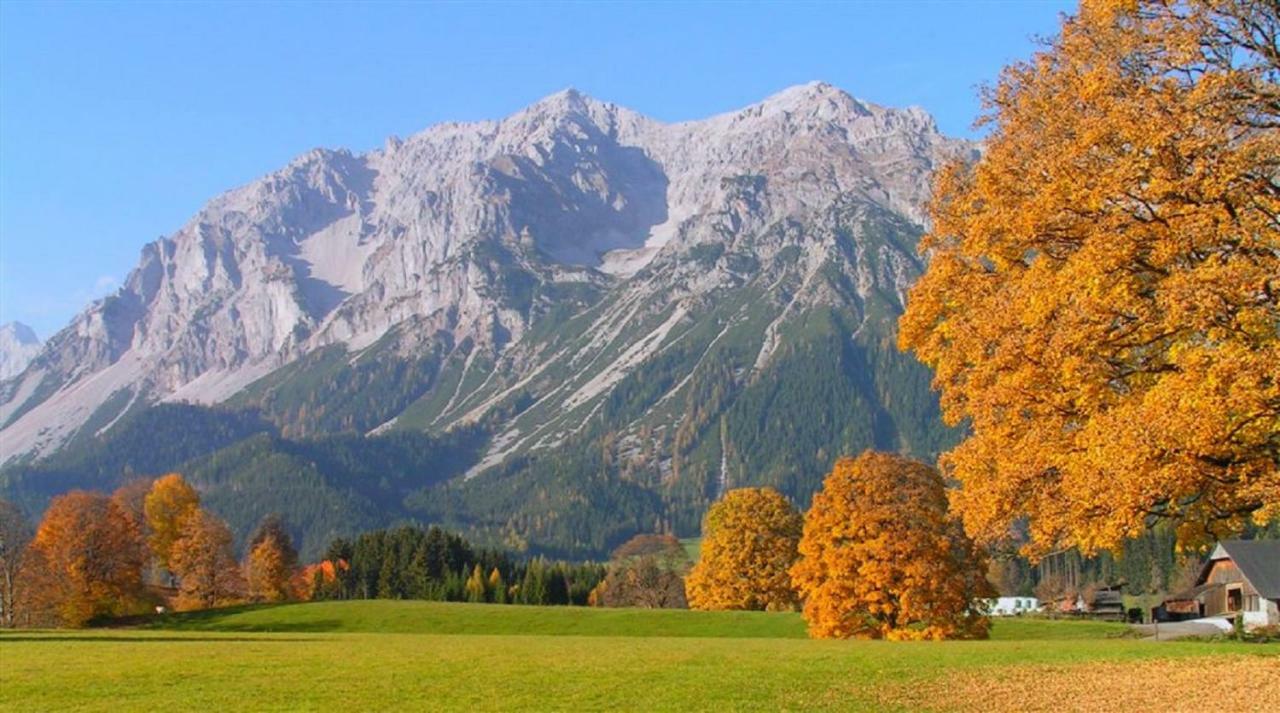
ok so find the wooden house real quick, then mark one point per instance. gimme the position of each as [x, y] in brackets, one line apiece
[1241, 577]
[1104, 602]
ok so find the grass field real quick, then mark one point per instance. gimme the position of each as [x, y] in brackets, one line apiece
[430, 656]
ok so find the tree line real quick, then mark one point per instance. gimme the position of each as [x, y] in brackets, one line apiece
[148, 545]
[151, 546]
[431, 564]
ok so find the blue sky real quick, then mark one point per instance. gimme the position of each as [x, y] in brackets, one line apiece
[118, 121]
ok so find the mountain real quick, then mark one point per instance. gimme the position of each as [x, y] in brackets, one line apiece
[18, 346]
[630, 316]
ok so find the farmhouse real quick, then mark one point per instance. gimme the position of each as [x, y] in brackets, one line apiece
[1104, 602]
[1240, 577]
[1012, 606]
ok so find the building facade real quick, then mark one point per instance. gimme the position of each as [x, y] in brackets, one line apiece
[1240, 578]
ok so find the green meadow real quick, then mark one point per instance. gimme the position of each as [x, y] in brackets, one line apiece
[385, 655]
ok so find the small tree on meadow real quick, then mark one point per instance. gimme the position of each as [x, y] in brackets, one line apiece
[166, 507]
[646, 571]
[880, 558]
[271, 563]
[205, 564]
[749, 541]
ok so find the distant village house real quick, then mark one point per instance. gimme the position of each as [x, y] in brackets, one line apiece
[1012, 606]
[1104, 602]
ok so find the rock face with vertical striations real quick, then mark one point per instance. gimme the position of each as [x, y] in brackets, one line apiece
[575, 277]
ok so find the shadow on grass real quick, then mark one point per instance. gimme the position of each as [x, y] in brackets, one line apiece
[55, 637]
[215, 620]
[314, 626]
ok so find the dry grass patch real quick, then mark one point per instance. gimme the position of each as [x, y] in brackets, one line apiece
[1224, 683]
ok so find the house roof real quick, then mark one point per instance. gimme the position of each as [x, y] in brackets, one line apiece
[1107, 597]
[1258, 561]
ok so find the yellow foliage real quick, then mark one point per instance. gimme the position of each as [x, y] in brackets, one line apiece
[168, 504]
[879, 558]
[749, 543]
[1102, 303]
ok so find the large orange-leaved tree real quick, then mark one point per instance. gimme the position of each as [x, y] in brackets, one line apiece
[85, 561]
[881, 559]
[1102, 302]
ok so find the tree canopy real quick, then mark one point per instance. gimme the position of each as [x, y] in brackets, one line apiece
[1102, 303]
[204, 561]
[880, 558]
[85, 561]
[168, 504]
[749, 543]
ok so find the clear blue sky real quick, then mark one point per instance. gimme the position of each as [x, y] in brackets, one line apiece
[118, 121]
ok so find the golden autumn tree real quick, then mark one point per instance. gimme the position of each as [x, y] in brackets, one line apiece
[880, 558]
[749, 541]
[203, 560]
[272, 562]
[85, 561]
[166, 507]
[1102, 302]
[267, 576]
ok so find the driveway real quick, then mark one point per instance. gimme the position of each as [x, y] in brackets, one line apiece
[1169, 630]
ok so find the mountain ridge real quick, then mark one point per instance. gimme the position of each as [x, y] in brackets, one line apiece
[619, 305]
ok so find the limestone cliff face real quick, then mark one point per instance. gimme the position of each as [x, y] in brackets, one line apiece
[465, 237]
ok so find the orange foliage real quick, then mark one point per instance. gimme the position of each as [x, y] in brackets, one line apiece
[269, 576]
[203, 560]
[1102, 303]
[314, 579]
[749, 543]
[85, 561]
[879, 558]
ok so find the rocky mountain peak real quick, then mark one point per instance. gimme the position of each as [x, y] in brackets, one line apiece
[18, 346]
[815, 99]
[18, 333]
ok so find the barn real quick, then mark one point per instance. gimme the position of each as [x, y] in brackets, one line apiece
[1240, 577]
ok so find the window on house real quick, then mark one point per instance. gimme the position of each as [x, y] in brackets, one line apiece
[1251, 603]
[1235, 599]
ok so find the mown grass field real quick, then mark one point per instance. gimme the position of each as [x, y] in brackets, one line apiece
[430, 656]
